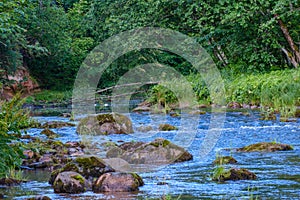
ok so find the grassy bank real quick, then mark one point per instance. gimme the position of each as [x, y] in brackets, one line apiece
[50, 97]
[276, 91]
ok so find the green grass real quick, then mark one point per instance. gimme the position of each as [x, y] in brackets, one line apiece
[15, 174]
[49, 96]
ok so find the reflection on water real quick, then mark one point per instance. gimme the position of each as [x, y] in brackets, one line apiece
[278, 173]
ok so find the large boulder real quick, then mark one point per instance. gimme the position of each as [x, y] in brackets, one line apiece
[70, 182]
[266, 147]
[89, 167]
[118, 182]
[159, 151]
[103, 124]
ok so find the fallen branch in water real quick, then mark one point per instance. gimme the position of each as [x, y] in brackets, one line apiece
[126, 85]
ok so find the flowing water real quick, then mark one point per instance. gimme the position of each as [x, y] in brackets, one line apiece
[278, 173]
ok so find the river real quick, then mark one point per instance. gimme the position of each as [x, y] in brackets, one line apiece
[278, 173]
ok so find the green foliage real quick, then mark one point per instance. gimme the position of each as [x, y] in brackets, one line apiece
[13, 41]
[12, 119]
[175, 91]
[15, 174]
[52, 38]
[277, 91]
[50, 96]
[199, 86]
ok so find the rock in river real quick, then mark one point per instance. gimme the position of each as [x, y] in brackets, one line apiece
[234, 175]
[266, 147]
[167, 127]
[104, 124]
[70, 182]
[56, 124]
[118, 182]
[159, 151]
[223, 160]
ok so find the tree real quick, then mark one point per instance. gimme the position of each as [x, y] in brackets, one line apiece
[13, 42]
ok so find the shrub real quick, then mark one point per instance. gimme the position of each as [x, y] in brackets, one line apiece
[12, 119]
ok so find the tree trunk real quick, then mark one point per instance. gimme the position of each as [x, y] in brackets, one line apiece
[295, 56]
[219, 53]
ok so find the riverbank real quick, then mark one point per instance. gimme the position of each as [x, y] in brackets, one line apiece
[271, 93]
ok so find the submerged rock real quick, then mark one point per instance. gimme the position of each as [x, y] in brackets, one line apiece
[70, 182]
[144, 128]
[118, 182]
[167, 127]
[223, 160]
[197, 112]
[49, 133]
[159, 151]
[234, 175]
[142, 109]
[56, 124]
[174, 114]
[266, 146]
[50, 153]
[234, 105]
[286, 119]
[40, 197]
[103, 124]
[89, 167]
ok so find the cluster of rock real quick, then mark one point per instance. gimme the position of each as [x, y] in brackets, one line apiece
[50, 153]
[74, 172]
[92, 173]
[234, 174]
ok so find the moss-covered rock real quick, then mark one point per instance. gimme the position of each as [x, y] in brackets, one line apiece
[144, 128]
[197, 112]
[49, 133]
[287, 119]
[56, 124]
[223, 160]
[88, 167]
[42, 154]
[142, 109]
[40, 197]
[118, 182]
[174, 114]
[234, 175]
[266, 147]
[109, 123]
[234, 105]
[70, 182]
[167, 127]
[159, 151]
